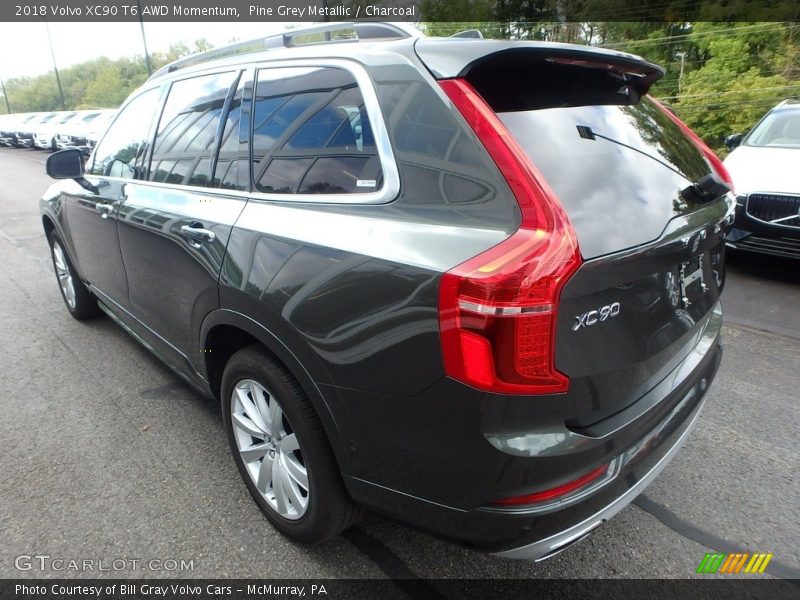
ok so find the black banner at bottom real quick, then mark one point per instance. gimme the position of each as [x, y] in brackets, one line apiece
[389, 589]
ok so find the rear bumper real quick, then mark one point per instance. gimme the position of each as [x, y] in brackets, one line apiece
[446, 484]
[548, 547]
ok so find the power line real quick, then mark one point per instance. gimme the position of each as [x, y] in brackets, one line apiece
[682, 96]
[618, 15]
[702, 35]
[717, 105]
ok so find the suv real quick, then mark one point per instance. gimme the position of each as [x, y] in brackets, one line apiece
[764, 168]
[483, 303]
[44, 137]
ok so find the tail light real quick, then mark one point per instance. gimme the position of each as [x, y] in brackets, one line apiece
[497, 311]
[713, 159]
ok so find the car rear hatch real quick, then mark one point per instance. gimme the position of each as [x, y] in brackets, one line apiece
[643, 197]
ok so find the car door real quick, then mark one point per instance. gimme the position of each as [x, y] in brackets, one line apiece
[175, 222]
[91, 216]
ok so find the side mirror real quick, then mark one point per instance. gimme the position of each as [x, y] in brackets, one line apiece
[65, 164]
[68, 164]
[732, 141]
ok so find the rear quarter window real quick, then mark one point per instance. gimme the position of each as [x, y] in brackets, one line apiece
[312, 134]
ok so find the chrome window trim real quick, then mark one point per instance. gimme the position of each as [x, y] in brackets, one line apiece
[391, 175]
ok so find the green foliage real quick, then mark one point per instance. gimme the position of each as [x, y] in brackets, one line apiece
[744, 74]
[721, 77]
[98, 83]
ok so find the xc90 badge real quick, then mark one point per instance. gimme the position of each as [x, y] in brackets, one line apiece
[593, 317]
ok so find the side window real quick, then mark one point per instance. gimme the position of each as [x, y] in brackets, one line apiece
[186, 139]
[311, 134]
[125, 141]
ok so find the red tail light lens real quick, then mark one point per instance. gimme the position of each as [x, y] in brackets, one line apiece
[712, 158]
[497, 311]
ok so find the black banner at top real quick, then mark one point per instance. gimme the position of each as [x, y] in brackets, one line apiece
[468, 11]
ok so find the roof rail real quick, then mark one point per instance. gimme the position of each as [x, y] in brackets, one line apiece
[344, 32]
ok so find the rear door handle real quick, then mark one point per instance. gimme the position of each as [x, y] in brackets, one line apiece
[198, 234]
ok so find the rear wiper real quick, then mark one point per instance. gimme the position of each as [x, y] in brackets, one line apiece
[704, 190]
[586, 133]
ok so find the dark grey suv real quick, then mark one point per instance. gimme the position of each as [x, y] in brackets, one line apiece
[473, 285]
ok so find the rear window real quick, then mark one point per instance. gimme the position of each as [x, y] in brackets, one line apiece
[616, 161]
[638, 140]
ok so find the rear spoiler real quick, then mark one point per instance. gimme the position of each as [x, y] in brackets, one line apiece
[448, 58]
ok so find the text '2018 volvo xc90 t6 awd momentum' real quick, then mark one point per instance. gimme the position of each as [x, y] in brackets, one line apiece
[473, 285]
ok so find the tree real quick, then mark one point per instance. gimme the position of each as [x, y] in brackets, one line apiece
[742, 76]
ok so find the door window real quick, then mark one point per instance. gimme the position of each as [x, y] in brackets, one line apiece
[118, 152]
[186, 139]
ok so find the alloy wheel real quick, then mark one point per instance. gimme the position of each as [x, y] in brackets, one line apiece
[63, 274]
[269, 448]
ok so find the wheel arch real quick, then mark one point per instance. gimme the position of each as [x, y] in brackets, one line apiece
[48, 225]
[224, 332]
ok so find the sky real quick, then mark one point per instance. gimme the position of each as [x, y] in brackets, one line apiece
[24, 49]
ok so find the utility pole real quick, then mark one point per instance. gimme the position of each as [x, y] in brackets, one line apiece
[5, 95]
[55, 68]
[680, 75]
[144, 40]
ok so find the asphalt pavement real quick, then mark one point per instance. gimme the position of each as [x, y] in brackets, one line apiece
[106, 455]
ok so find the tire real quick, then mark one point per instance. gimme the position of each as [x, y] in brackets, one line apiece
[80, 302]
[309, 515]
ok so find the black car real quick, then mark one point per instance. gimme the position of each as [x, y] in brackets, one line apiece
[764, 167]
[473, 285]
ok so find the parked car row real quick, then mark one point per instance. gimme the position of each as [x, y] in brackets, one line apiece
[55, 130]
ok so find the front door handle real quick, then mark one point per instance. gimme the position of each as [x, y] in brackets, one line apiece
[198, 234]
[104, 209]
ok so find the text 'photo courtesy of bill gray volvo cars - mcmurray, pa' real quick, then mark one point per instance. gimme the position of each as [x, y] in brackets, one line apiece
[417, 281]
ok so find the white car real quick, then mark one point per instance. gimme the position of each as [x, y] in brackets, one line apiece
[87, 135]
[44, 135]
[75, 131]
[765, 167]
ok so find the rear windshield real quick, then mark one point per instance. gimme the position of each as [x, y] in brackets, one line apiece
[616, 169]
[578, 147]
[616, 161]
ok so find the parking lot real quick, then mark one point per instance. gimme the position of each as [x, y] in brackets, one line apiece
[106, 454]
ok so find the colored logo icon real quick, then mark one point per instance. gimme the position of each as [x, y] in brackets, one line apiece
[739, 562]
